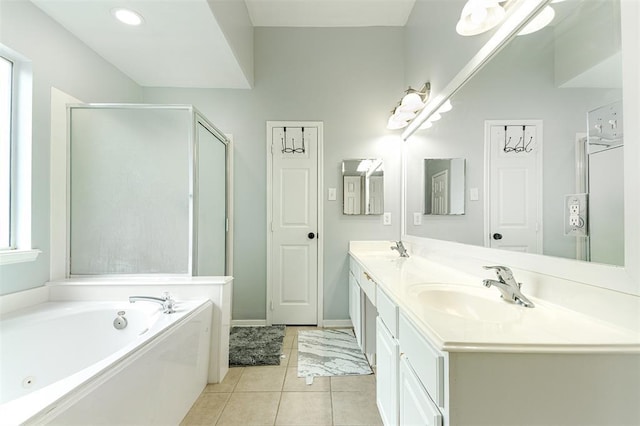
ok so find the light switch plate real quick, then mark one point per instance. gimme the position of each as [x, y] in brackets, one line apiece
[473, 194]
[417, 218]
[386, 218]
[331, 194]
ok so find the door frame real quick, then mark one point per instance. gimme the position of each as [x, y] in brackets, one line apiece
[320, 232]
[487, 176]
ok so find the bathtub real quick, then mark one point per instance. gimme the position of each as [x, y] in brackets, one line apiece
[66, 363]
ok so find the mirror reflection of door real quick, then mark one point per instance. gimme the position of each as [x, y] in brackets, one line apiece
[440, 193]
[376, 195]
[352, 194]
[514, 182]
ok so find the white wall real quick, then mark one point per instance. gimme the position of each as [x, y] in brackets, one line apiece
[347, 78]
[59, 60]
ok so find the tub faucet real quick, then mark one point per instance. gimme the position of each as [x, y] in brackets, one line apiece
[167, 302]
[400, 247]
[508, 286]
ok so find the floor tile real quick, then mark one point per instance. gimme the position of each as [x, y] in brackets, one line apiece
[261, 379]
[354, 408]
[250, 408]
[293, 358]
[294, 383]
[287, 343]
[206, 410]
[362, 383]
[304, 408]
[285, 358]
[229, 382]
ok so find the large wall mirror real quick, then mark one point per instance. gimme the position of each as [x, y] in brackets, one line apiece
[537, 91]
[545, 83]
[444, 186]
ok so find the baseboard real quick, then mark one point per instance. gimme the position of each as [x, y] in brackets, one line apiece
[337, 323]
[248, 323]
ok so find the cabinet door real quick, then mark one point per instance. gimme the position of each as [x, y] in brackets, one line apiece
[355, 311]
[415, 406]
[387, 354]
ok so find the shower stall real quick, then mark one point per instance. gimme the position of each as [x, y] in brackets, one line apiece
[148, 191]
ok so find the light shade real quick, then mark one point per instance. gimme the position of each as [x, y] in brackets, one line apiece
[479, 16]
[394, 124]
[403, 115]
[540, 21]
[427, 124]
[445, 107]
[127, 16]
[411, 102]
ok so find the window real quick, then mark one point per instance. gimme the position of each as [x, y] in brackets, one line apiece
[6, 79]
[16, 88]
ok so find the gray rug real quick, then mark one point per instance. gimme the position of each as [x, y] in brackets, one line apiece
[330, 353]
[255, 345]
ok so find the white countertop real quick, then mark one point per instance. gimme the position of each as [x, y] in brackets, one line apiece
[503, 327]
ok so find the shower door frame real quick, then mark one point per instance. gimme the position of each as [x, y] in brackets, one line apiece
[196, 118]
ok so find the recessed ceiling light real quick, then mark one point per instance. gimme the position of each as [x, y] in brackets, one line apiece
[127, 16]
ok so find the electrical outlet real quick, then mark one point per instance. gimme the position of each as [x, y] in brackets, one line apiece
[386, 218]
[575, 215]
[417, 218]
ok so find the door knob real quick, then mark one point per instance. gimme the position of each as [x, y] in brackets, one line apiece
[497, 236]
[311, 235]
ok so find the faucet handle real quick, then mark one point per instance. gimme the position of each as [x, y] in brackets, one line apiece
[503, 272]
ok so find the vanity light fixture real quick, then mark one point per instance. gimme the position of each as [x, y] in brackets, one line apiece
[540, 21]
[412, 102]
[479, 16]
[127, 16]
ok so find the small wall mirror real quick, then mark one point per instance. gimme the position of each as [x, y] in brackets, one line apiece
[444, 186]
[363, 186]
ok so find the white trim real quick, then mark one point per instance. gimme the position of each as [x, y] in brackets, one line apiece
[487, 175]
[18, 256]
[345, 323]
[23, 299]
[248, 323]
[320, 189]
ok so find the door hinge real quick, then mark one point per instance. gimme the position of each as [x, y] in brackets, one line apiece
[271, 226]
[271, 148]
[271, 305]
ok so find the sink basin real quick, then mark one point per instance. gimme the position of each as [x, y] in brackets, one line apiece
[465, 302]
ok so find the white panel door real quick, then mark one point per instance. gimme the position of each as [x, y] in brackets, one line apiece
[376, 195]
[294, 249]
[514, 187]
[352, 194]
[440, 193]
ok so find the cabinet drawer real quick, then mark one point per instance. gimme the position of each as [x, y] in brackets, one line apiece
[426, 361]
[388, 311]
[368, 286]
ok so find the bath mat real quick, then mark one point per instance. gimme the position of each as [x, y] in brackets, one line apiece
[255, 345]
[330, 353]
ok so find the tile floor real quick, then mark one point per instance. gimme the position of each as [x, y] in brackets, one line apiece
[274, 395]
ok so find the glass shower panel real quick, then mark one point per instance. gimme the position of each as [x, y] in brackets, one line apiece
[130, 189]
[212, 208]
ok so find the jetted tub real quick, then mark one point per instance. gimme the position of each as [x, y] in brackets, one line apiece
[67, 363]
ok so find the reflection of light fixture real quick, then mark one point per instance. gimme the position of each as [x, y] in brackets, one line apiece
[540, 21]
[479, 16]
[435, 117]
[445, 107]
[406, 110]
[427, 124]
[127, 16]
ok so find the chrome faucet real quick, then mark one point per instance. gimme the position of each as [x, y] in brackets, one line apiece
[167, 302]
[400, 247]
[508, 286]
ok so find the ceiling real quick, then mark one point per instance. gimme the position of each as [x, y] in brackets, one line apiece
[182, 43]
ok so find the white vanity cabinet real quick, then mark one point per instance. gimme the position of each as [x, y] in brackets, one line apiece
[355, 304]
[387, 359]
[415, 406]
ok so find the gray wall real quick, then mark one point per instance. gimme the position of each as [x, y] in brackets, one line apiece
[347, 78]
[59, 60]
